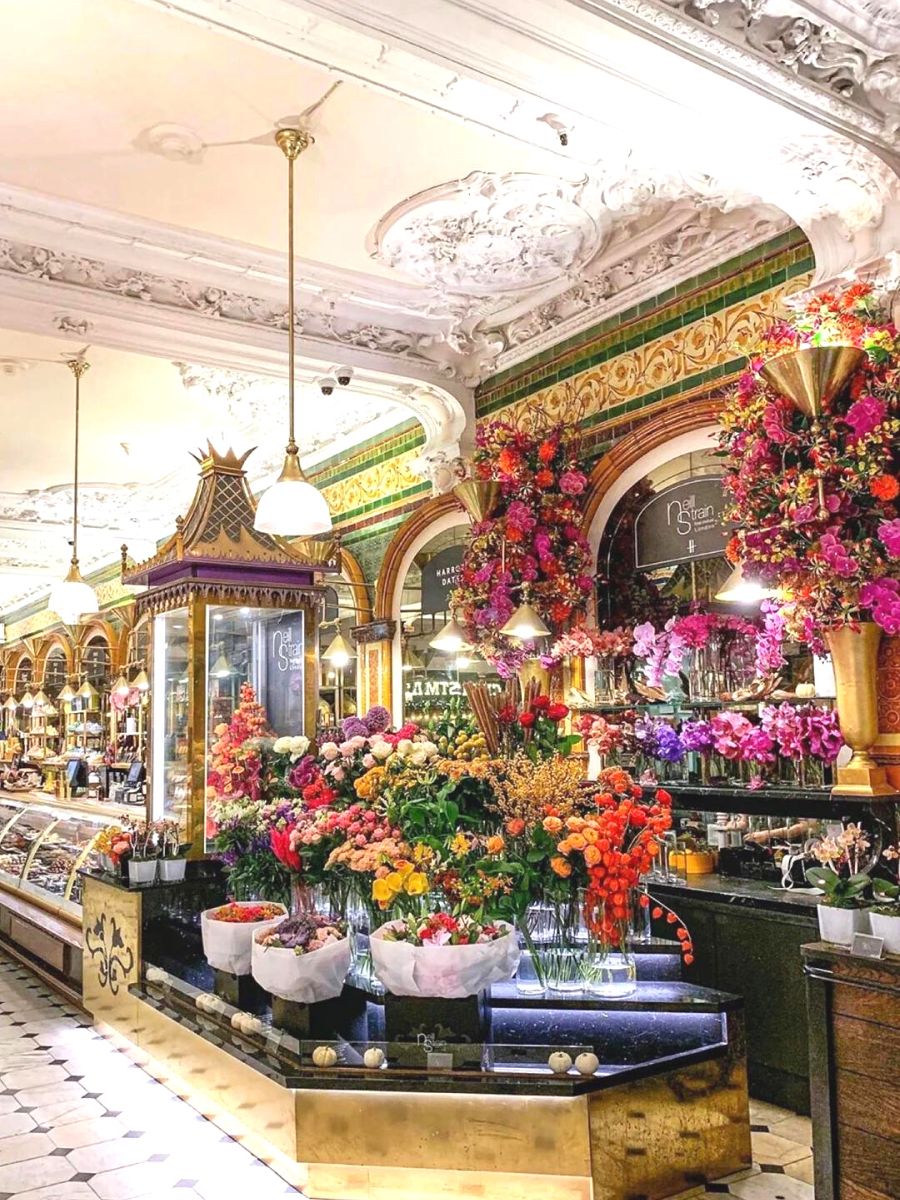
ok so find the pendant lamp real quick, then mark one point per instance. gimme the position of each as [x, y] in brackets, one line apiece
[339, 651]
[72, 598]
[11, 704]
[221, 668]
[451, 639]
[41, 699]
[411, 659]
[141, 681]
[67, 695]
[740, 588]
[88, 692]
[292, 507]
[121, 687]
[27, 700]
[525, 624]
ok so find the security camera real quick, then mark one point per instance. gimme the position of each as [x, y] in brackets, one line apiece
[327, 384]
[344, 375]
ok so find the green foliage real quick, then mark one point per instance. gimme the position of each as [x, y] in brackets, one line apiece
[840, 891]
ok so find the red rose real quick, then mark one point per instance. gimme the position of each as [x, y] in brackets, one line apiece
[526, 720]
[540, 702]
[557, 712]
[663, 797]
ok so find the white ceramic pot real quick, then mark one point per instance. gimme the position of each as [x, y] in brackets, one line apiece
[171, 870]
[839, 924]
[141, 870]
[887, 928]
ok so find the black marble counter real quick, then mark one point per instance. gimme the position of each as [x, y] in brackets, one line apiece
[767, 801]
[744, 893]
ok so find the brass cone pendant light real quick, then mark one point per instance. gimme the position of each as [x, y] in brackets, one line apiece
[813, 376]
[292, 507]
[479, 497]
[72, 598]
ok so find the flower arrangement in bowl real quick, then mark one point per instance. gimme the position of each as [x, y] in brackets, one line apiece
[303, 959]
[113, 845]
[884, 915]
[443, 955]
[228, 931]
[843, 881]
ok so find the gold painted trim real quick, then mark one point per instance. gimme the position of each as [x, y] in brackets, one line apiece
[38, 901]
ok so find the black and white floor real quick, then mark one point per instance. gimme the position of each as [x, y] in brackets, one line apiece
[80, 1121]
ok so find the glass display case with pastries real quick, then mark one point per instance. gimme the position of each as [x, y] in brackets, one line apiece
[43, 849]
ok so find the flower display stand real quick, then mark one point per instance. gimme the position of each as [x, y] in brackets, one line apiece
[240, 990]
[430, 1019]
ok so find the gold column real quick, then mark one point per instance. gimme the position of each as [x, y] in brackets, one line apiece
[111, 925]
[375, 644]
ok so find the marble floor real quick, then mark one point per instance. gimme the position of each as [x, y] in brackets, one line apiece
[80, 1121]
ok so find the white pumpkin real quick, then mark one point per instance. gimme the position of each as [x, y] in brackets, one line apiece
[324, 1056]
[373, 1058]
[587, 1064]
[559, 1062]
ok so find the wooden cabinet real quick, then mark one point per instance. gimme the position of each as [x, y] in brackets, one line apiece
[854, 1022]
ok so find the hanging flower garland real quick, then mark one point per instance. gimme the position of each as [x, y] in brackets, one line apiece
[532, 547]
[839, 562]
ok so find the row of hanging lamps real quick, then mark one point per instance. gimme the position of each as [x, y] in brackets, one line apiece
[72, 598]
[292, 507]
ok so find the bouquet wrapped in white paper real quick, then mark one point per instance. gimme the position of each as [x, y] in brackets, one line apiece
[228, 931]
[443, 956]
[304, 959]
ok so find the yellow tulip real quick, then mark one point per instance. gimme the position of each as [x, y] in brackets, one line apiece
[416, 884]
[395, 881]
[382, 891]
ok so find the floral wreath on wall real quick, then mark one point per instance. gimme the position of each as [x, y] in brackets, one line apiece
[836, 556]
[532, 548]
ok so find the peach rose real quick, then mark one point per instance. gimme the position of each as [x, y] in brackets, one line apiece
[561, 866]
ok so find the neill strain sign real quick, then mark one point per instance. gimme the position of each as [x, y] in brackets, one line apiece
[682, 522]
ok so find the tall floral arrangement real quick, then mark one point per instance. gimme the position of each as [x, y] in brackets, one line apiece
[533, 546]
[839, 561]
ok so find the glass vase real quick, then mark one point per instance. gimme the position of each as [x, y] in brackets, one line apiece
[609, 971]
[562, 955]
[534, 932]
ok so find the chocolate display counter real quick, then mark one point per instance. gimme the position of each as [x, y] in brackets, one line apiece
[665, 1108]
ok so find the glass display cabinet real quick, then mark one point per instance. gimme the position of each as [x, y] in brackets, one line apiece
[228, 606]
[42, 851]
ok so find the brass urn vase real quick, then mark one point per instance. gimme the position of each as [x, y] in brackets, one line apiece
[854, 655]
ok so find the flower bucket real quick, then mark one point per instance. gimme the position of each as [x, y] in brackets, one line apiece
[838, 925]
[446, 972]
[303, 978]
[887, 928]
[228, 945]
[141, 870]
[171, 870]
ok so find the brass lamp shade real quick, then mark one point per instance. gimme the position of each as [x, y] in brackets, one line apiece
[525, 624]
[814, 376]
[67, 695]
[320, 552]
[11, 704]
[479, 497]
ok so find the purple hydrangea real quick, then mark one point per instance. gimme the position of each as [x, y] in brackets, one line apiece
[354, 727]
[697, 736]
[377, 719]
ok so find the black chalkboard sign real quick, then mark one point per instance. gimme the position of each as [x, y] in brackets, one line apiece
[440, 575]
[681, 523]
[284, 662]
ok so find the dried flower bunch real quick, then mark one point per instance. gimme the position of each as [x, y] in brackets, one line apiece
[523, 789]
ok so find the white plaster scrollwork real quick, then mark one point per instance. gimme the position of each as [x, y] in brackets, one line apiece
[492, 233]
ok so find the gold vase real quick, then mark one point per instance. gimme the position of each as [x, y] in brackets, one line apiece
[532, 669]
[813, 376]
[479, 497]
[854, 655]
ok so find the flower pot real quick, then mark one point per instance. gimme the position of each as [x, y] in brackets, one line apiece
[839, 924]
[228, 945]
[141, 870]
[447, 972]
[887, 928]
[171, 870]
[301, 978]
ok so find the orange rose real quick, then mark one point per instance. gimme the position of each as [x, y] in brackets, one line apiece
[576, 841]
[515, 827]
[561, 866]
[590, 834]
[574, 823]
[495, 844]
[552, 824]
[564, 846]
[592, 855]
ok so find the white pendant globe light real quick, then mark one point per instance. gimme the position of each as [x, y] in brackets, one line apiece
[72, 598]
[292, 507]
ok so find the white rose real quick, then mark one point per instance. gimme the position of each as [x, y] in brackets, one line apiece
[357, 742]
[381, 750]
[329, 751]
[299, 746]
[404, 747]
[418, 758]
[429, 747]
[283, 745]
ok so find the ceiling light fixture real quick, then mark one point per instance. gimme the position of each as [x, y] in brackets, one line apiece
[67, 695]
[411, 659]
[292, 507]
[525, 624]
[141, 681]
[451, 639]
[27, 700]
[87, 691]
[222, 668]
[738, 588]
[121, 687]
[72, 599]
[339, 651]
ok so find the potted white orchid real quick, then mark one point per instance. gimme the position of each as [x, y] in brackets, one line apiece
[884, 915]
[843, 880]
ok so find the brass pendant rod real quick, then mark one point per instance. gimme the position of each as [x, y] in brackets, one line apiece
[78, 367]
[292, 143]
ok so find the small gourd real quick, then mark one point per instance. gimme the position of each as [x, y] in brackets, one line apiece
[324, 1056]
[587, 1064]
[373, 1058]
[559, 1062]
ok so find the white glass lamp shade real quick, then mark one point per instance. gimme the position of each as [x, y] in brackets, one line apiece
[292, 507]
[27, 700]
[339, 652]
[451, 639]
[739, 588]
[72, 598]
[141, 681]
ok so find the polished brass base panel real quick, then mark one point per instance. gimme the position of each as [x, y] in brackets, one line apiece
[862, 781]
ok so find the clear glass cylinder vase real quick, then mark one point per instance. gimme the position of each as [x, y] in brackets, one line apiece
[562, 955]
